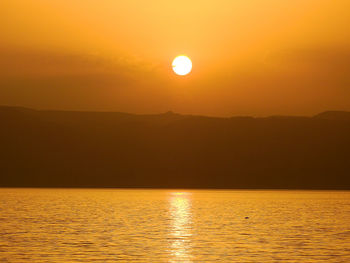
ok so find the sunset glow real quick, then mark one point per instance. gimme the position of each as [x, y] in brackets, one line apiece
[175, 131]
[250, 57]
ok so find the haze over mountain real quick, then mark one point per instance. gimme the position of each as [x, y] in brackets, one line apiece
[250, 57]
[111, 149]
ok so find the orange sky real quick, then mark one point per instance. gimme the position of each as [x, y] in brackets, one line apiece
[250, 57]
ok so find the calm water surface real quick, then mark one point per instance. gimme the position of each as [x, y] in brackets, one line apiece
[70, 225]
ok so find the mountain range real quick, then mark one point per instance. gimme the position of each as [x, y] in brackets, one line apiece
[40, 148]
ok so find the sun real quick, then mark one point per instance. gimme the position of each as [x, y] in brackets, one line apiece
[182, 65]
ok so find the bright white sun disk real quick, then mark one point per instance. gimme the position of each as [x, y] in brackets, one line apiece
[182, 65]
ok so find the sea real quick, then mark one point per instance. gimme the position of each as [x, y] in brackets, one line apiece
[173, 225]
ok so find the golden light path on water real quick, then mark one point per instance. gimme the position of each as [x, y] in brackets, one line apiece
[181, 226]
[162, 226]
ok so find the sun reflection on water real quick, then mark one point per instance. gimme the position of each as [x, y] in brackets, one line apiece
[181, 226]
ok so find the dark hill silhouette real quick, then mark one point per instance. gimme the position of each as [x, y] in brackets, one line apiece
[110, 149]
[334, 115]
